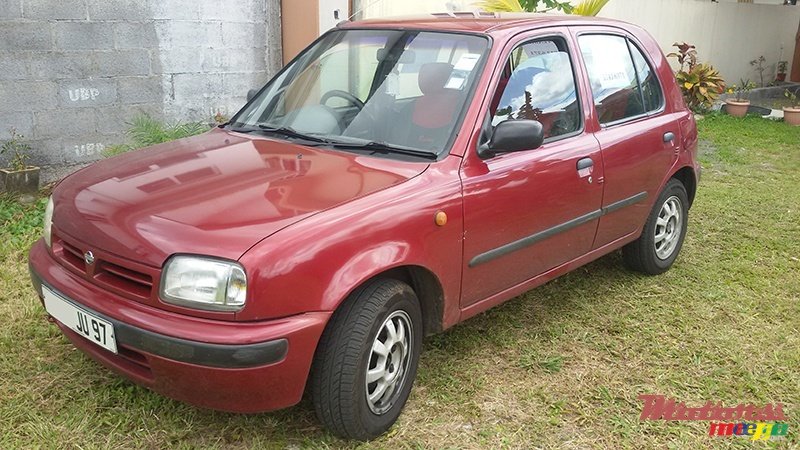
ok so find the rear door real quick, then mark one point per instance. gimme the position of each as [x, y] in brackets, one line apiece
[639, 138]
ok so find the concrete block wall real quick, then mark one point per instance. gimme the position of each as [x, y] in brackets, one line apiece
[73, 72]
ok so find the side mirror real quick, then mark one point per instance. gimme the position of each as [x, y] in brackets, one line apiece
[251, 93]
[513, 136]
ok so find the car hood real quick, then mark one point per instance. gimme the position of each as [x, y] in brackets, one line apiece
[215, 194]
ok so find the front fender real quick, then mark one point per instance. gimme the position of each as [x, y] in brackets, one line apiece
[315, 264]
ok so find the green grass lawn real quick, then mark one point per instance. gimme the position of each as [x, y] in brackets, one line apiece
[559, 367]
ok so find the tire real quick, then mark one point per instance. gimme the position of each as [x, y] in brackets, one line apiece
[654, 253]
[339, 388]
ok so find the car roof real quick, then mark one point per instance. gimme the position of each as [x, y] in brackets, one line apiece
[484, 23]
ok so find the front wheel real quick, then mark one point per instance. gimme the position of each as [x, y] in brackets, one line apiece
[367, 360]
[662, 238]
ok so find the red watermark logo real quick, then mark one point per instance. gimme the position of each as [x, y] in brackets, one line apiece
[752, 419]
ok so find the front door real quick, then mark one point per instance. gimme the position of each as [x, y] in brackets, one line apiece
[530, 211]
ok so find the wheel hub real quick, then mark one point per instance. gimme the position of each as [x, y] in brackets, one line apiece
[668, 228]
[388, 362]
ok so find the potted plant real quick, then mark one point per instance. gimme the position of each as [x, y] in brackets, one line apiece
[18, 177]
[782, 67]
[791, 113]
[739, 104]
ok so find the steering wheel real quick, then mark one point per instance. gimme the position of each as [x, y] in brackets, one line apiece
[343, 95]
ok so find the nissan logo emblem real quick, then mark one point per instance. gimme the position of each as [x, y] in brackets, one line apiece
[88, 257]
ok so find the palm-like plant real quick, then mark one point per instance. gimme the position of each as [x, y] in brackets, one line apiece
[589, 7]
[523, 5]
[584, 8]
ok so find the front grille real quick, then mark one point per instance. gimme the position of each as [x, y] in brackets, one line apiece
[137, 283]
[73, 256]
[117, 276]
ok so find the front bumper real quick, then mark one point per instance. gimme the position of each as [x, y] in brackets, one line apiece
[230, 366]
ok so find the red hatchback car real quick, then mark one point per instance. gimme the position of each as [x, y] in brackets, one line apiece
[396, 178]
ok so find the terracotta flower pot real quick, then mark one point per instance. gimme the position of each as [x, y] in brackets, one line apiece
[737, 108]
[791, 115]
[24, 181]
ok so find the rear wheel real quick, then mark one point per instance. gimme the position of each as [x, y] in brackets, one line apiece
[367, 360]
[662, 238]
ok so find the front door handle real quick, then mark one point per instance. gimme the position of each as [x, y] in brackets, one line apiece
[669, 136]
[584, 163]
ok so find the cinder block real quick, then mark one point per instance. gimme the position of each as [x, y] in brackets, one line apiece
[241, 11]
[21, 121]
[27, 95]
[181, 60]
[10, 9]
[190, 34]
[83, 35]
[135, 35]
[137, 90]
[86, 148]
[135, 62]
[45, 152]
[243, 35]
[75, 122]
[58, 65]
[234, 60]
[175, 9]
[14, 66]
[186, 86]
[86, 93]
[130, 10]
[16, 36]
[237, 84]
[54, 9]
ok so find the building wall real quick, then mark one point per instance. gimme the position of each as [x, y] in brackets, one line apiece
[727, 34]
[73, 72]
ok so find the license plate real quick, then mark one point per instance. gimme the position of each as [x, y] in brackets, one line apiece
[86, 324]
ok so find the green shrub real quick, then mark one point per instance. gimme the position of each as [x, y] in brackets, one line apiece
[145, 131]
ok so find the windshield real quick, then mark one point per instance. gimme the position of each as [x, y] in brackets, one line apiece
[363, 88]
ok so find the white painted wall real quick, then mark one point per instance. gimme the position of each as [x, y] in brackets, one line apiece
[727, 34]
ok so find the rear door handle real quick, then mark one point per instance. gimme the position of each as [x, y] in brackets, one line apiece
[669, 136]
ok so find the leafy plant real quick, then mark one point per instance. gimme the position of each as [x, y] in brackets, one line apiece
[700, 83]
[589, 7]
[741, 90]
[758, 64]
[782, 67]
[792, 96]
[524, 5]
[145, 131]
[686, 54]
[18, 150]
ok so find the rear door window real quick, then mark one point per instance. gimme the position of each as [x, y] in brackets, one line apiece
[617, 81]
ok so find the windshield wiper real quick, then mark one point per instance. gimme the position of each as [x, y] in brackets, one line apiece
[382, 147]
[285, 131]
[290, 132]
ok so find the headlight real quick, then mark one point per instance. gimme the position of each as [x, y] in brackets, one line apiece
[48, 222]
[204, 283]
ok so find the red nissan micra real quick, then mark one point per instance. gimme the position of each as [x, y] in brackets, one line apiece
[396, 178]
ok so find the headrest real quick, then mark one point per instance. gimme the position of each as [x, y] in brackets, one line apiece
[433, 77]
